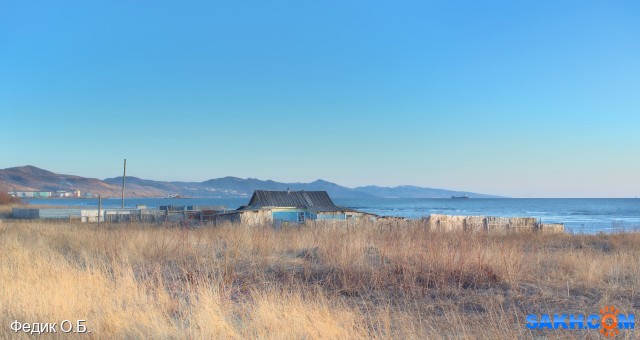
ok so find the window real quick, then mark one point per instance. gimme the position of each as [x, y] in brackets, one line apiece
[300, 217]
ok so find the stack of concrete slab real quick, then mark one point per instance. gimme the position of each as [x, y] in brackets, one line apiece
[490, 223]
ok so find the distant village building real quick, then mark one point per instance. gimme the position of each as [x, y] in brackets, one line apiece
[64, 194]
[44, 194]
[31, 194]
[290, 207]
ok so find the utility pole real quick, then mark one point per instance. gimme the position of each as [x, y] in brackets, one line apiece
[99, 208]
[124, 174]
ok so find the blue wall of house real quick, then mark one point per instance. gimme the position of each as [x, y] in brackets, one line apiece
[287, 216]
[293, 216]
[332, 216]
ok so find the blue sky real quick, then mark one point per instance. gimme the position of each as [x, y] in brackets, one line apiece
[519, 98]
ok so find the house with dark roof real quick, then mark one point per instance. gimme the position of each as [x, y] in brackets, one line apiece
[299, 206]
[290, 207]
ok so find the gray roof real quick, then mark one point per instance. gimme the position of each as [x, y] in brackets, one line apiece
[313, 200]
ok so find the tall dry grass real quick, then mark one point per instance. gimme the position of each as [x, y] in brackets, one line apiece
[364, 280]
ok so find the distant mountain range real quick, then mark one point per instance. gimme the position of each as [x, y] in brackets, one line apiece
[30, 178]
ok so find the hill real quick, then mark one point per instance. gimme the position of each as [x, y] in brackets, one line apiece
[237, 187]
[31, 178]
[409, 191]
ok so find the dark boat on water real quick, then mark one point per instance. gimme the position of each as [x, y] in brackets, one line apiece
[460, 197]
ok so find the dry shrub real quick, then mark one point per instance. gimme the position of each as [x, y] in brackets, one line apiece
[5, 199]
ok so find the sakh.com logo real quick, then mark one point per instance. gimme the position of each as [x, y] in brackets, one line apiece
[609, 321]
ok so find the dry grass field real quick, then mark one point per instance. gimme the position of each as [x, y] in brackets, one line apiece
[364, 280]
